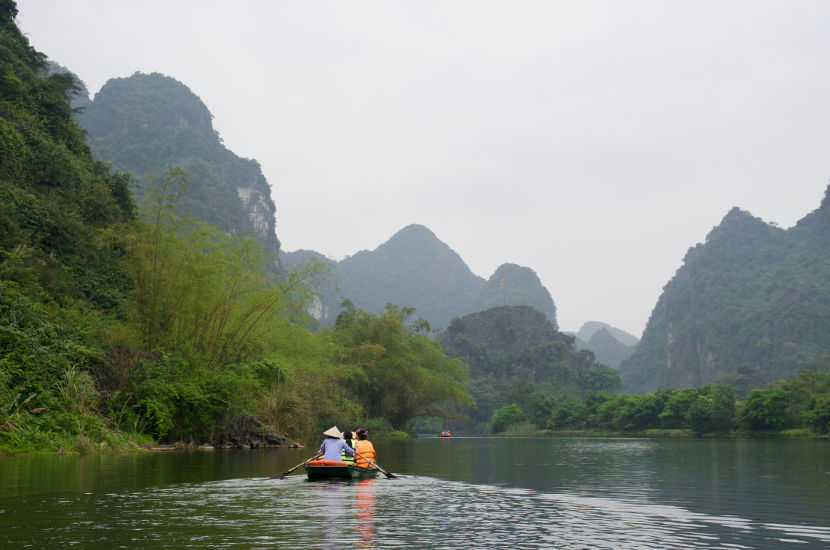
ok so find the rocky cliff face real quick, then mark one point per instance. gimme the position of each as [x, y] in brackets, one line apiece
[149, 122]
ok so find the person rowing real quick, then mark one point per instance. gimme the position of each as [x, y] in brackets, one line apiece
[333, 445]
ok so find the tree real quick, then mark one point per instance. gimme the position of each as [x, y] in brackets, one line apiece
[506, 417]
[570, 412]
[714, 410]
[601, 377]
[202, 292]
[641, 414]
[402, 372]
[677, 408]
[766, 409]
[819, 416]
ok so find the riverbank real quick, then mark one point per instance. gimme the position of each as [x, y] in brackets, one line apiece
[667, 433]
[133, 447]
[242, 432]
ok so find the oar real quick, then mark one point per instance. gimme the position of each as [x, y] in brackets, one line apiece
[288, 471]
[376, 465]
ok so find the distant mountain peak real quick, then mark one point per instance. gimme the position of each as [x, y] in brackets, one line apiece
[414, 230]
[414, 235]
[415, 268]
[607, 348]
[146, 123]
[508, 267]
[737, 217]
[590, 328]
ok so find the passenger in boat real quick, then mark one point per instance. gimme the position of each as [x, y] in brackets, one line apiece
[333, 445]
[365, 449]
[348, 437]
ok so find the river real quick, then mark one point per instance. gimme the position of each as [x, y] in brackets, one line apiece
[450, 493]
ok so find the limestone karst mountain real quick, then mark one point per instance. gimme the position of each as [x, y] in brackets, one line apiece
[149, 122]
[748, 306]
[415, 269]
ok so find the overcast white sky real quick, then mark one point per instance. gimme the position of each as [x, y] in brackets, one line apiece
[592, 141]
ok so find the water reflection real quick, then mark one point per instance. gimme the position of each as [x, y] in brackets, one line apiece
[333, 511]
[576, 493]
[365, 504]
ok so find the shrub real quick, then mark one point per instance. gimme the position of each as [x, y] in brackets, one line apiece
[506, 416]
[819, 416]
[766, 410]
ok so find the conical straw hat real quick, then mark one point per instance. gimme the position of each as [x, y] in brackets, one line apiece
[333, 432]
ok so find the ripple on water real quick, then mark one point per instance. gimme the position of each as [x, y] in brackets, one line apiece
[407, 512]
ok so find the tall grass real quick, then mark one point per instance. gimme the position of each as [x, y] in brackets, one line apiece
[522, 429]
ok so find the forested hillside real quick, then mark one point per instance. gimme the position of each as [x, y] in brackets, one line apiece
[150, 122]
[414, 268]
[517, 359]
[56, 203]
[125, 322]
[63, 266]
[748, 306]
[527, 379]
[122, 325]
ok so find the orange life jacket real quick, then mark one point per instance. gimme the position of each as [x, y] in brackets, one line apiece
[365, 448]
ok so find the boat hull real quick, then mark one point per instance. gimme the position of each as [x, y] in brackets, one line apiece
[327, 469]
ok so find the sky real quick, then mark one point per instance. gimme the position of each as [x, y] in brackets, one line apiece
[592, 141]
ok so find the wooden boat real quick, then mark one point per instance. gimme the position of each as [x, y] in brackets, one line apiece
[335, 469]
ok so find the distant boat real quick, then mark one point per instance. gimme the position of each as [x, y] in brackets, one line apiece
[336, 469]
[446, 433]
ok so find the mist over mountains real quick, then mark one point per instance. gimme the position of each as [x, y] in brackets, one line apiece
[416, 269]
[146, 123]
[749, 305]
[610, 345]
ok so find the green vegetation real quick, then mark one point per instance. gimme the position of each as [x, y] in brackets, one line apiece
[527, 379]
[747, 307]
[796, 406]
[521, 369]
[402, 372]
[507, 416]
[150, 122]
[207, 333]
[63, 273]
[122, 325]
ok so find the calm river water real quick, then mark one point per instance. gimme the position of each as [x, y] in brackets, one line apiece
[450, 493]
